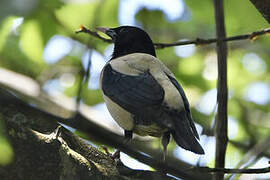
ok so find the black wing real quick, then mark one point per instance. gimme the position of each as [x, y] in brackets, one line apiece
[186, 104]
[132, 92]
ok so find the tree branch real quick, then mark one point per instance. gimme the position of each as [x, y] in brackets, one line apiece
[44, 150]
[198, 41]
[93, 33]
[236, 171]
[222, 91]
[100, 134]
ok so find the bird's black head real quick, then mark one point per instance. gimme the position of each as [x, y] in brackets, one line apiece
[129, 39]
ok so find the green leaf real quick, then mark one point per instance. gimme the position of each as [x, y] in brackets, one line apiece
[92, 97]
[107, 13]
[5, 30]
[11, 54]
[156, 18]
[6, 152]
[73, 15]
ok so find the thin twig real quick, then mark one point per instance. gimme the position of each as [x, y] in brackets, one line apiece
[198, 41]
[221, 129]
[84, 78]
[236, 171]
[93, 33]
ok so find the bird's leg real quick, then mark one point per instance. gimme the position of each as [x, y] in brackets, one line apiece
[165, 141]
[128, 137]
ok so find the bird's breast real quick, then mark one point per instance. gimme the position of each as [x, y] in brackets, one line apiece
[126, 121]
[123, 118]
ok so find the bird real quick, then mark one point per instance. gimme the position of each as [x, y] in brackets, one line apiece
[142, 94]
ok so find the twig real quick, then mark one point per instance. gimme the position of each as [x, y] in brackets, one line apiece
[199, 41]
[221, 130]
[235, 171]
[93, 33]
[84, 79]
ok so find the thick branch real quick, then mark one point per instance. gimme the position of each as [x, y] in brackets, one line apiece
[198, 41]
[56, 155]
[103, 136]
[222, 91]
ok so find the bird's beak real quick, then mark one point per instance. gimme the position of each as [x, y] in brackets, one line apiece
[108, 31]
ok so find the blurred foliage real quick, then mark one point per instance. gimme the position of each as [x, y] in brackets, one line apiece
[6, 152]
[22, 50]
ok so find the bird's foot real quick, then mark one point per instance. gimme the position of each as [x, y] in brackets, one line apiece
[56, 133]
[115, 155]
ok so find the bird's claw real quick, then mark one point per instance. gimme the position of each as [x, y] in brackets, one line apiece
[114, 156]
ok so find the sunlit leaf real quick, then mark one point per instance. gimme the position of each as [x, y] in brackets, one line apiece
[31, 41]
[107, 13]
[92, 97]
[6, 151]
[233, 156]
[73, 15]
[5, 30]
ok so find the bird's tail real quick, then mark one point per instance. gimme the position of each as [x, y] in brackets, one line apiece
[184, 135]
